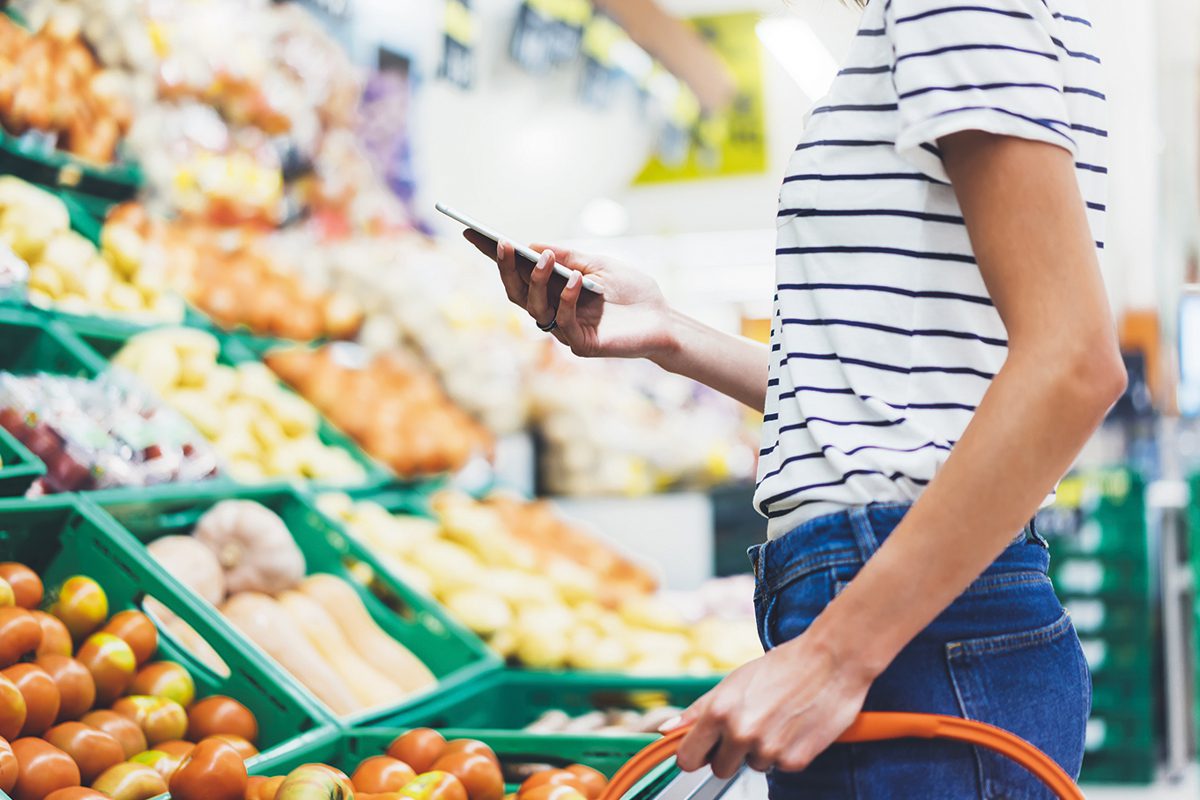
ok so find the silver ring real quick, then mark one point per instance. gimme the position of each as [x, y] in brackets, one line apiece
[549, 326]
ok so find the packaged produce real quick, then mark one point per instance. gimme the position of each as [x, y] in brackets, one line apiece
[400, 414]
[261, 429]
[315, 626]
[545, 595]
[101, 433]
[52, 87]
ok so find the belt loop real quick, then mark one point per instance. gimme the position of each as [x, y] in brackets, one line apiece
[864, 534]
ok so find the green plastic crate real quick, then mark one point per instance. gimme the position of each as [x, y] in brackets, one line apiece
[1120, 729]
[105, 340]
[606, 754]
[61, 536]
[98, 186]
[19, 469]
[1118, 767]
[512, 699]
[30, 342]
[1090, 575]
[451, 652]
[1117, 656]
[1109, 617]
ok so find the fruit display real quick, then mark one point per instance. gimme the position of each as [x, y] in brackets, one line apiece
[68, 273]
[51, 86]
[400, 416]
[241, 558]
[498, 568]
[612, 721]
[261, 430]
[421, 764]
[84, 703]
[101, 433]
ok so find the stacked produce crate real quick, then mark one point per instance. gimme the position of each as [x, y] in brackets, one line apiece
[1101, 567]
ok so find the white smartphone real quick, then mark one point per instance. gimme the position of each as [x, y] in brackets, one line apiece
[522, 252]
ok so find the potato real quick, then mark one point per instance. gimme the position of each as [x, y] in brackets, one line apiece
[47, 279]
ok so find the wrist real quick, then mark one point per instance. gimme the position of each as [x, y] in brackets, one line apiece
[667, 351]
[860, 659]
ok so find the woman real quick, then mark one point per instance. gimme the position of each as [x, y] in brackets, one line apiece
[942, 348]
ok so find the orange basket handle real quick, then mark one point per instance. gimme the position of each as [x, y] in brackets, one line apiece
[873, 726]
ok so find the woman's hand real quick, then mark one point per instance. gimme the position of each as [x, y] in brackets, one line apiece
[630, 320]
[779, 711]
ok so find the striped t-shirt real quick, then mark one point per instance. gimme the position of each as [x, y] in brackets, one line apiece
[884, 339]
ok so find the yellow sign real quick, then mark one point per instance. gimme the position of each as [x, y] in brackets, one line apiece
[733, 143]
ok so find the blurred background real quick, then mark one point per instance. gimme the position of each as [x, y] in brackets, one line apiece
[265, 174]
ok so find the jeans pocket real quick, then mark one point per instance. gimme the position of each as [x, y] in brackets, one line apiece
[788, 611]
[1030, 683]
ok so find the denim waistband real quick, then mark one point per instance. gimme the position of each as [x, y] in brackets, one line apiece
[852, 536]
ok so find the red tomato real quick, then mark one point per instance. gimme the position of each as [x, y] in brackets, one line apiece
[550, 791]
[219, 714]
[478, 774]
[176, 747]
[25, 583]
[12, 709]
[128, 781]
[138, 632]
[76, 687]
[123, 729]
[56, 639]
[594, 782]
[41, 696]
[552, 777]
[19, 634]
[92, 750]
[8, 767]
[470, 746]
[165, 679]
[76, 793]
[418, 748]
[162, 720]
[43, 768]
[82, 605]
[212, 771]
[111, 662]
[382, 774]
[434, 786]
[244, 748]
[162, 763]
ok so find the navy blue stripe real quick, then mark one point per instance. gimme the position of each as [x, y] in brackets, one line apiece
[871, 287]
[788, 395]
[966, 87]
[958, 48]
[857, 107]
[873, 32]
[866, 70]
[845, 143]
[770, 417]
[775, 347]
[1097, 206]
[1069, 18]
[1074, 53]
[1099, 245]
[922, 406]
[861, 362]
[767, 503]
[1046, 123]
[874, 176]
[773, 382]
[1091, 168]
[853, 323]
[1089, 129]
[890, 251]
[852, 451]
[1081, 90]
[952, 9]
[871, 212]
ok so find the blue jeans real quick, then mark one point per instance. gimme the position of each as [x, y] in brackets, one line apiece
[1005, 652]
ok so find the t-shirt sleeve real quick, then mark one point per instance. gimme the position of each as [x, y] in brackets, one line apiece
[989, 65]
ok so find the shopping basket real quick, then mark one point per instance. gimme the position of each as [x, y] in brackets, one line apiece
[877, 726]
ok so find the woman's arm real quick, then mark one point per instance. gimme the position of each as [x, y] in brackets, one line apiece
[733, 365]
[1031, 238]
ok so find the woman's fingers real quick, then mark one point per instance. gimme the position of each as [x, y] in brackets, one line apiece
[538, 302]
[568, 301]
[514, 284]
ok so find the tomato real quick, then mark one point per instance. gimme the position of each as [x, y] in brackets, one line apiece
[82, 605]
[470, 746]
[128, 781]
[25, 583]
[552, 777]
[111, 662]
[551, 791]
[219, 714]
[334, 771]
[43, 768]
[435, 786]
[382, 774]
[175, 747]
[478, 774]
[8, 597]
[123, 729]
[41, 696]
[8, 767]
[244, 748]
[418, 748]
[159, 718]
[165, 679]
[164, 764]
[311, 781]
[56, 639]
[92, 750]
[268, 788]
[213, 771]
[76, 687]
[138, 632]
[19, 634]
[76, 793]
[594, 782]
[253, 784]
[12, 709]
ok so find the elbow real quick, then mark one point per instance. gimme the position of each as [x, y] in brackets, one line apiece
[1097, 376]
